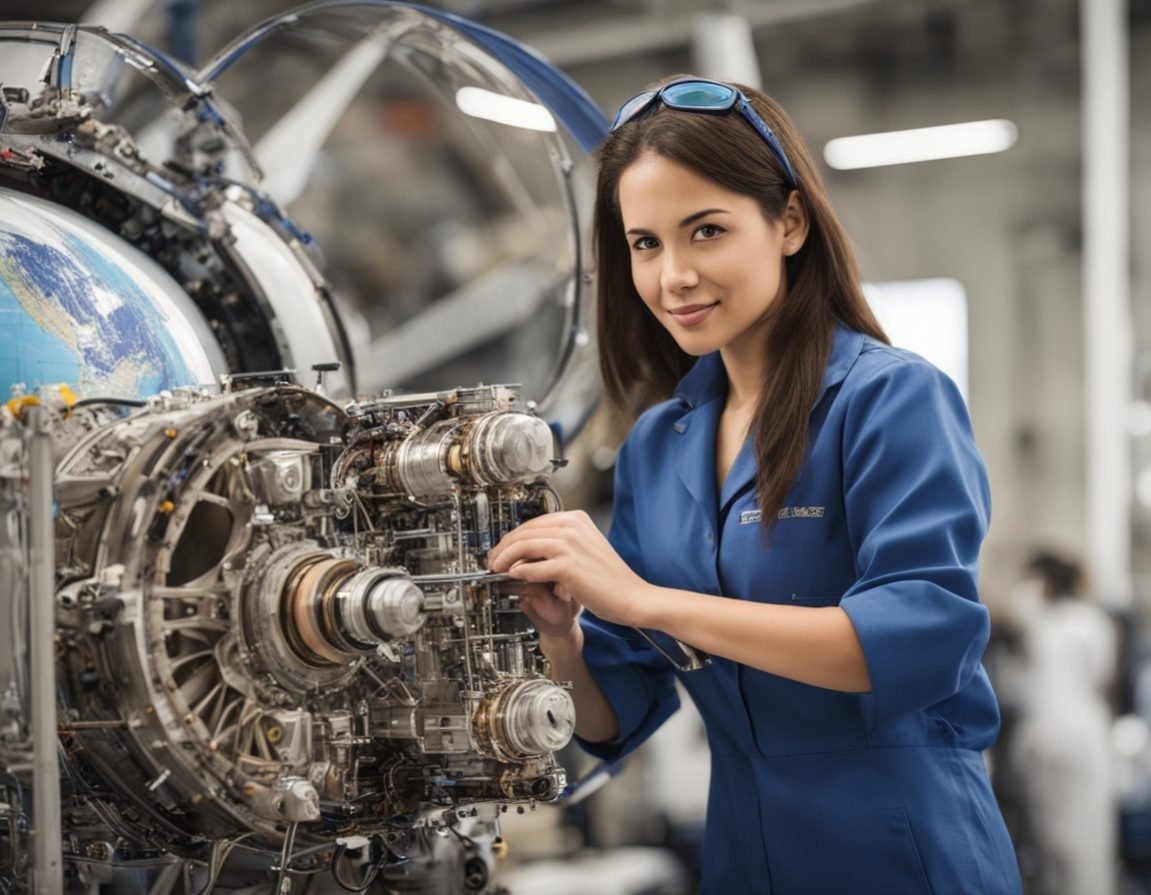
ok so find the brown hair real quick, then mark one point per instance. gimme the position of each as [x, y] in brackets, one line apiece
[640, 361]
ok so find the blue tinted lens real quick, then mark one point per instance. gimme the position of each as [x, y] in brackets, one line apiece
[700, 95]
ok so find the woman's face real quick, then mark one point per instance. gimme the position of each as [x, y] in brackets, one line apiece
[706, 261]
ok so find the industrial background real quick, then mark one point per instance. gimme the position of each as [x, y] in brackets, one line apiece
[1039, 249]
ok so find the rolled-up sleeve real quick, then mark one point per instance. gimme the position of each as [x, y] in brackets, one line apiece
[917, 505]
[637, 681]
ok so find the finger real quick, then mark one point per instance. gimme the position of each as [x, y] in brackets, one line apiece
[540, 571]
[554, 526]
[497, 561]
[545, 612]
[528, 590]
[532, 527]
[563, 517]
[524, 551]
[553, 613]
[532, 611]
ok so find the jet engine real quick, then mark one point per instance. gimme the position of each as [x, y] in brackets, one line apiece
[252, 641]
[274, 624]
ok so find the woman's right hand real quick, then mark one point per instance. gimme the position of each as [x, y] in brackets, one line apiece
[554, 613]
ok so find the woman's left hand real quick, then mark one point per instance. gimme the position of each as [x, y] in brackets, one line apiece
[568, 551]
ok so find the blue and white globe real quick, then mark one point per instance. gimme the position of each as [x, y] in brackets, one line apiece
[81, 307]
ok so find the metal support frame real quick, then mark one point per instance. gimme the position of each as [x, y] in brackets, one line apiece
[48, 871]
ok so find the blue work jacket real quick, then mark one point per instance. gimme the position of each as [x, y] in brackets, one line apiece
[815, 791]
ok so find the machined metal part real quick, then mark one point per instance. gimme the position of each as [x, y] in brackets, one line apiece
[525, 718]
[493, 450]
[46, 809]
[234, 658]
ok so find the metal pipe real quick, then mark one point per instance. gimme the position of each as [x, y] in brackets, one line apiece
[48, 872]
[1107, 296]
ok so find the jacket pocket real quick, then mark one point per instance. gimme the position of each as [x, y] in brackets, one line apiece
[859, 852]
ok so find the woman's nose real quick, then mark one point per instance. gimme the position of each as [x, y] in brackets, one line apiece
[677, 273]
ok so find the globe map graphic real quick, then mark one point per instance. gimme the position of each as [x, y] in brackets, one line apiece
[82, 308]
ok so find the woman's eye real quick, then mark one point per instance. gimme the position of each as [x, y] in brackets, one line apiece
[709, 231]
[644, 242]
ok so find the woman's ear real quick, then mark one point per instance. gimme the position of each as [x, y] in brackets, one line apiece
[795, 223]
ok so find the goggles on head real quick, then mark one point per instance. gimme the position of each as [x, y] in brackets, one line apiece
[710, 98]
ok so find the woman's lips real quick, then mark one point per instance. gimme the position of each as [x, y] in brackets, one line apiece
[692, 315]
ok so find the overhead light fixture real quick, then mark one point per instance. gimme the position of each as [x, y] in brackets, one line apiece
[920, 144]
[490, 106]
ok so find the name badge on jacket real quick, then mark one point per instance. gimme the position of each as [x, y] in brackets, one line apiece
[750, 517]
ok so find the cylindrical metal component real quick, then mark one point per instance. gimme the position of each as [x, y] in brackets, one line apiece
[309, 596]
[376, 606]
[503, 448]
[396, 722]
[48, 863]
[531, 717]
[395, 606]
[338, 499]
[337, 610]
[506, 448]
[421, 461]
[538, 716]
[352, 610]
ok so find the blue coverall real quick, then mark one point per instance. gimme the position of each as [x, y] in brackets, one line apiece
[815, 791]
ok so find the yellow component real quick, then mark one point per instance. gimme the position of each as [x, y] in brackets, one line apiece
[250, 789]
[274, 734]
[171, 433]
[17, 405]
[68, 396]
[500, 848]
[167, 506]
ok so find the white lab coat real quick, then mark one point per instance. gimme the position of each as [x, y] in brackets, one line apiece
[1062, 748]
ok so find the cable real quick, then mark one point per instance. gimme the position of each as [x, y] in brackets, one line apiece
[285, 860]
[219, 855]
[115, 402]
[369, 877]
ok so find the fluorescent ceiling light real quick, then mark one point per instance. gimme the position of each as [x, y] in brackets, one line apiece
[921, 144]
[480, 103]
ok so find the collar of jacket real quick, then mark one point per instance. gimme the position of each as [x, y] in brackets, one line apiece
[701, 394]
[707, 380]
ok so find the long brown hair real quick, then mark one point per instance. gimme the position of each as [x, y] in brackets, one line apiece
[640, 361]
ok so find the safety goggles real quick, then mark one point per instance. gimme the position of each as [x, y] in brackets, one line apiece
[710, 98]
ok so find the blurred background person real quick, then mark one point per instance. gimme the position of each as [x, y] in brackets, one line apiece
[1060, 751]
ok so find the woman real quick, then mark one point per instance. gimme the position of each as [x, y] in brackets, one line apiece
[1061, 750]
[799, 500]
